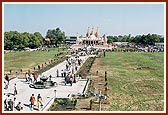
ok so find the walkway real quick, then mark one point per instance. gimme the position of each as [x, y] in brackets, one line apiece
[62, 91]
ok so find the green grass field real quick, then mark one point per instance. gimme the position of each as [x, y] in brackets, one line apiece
[135, 80]
[27, 60]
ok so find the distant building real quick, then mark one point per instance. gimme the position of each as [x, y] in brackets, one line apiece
[120, 43]
[159, 44]
[48, 40]
[92, 38]
[71, 40]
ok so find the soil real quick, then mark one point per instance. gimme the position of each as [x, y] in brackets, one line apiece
[97, 84]
[84, 103]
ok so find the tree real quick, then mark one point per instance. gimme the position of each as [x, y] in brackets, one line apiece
[139, 39]
[11, 40]
[57, 35]
[14, 39]
[39, 39]
[111, 39]
[8, 44]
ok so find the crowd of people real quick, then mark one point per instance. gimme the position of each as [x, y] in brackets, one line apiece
[68, 74]
[10, 101]
[12, 104]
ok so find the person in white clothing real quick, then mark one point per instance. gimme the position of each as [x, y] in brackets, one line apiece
[6, 101]
[15, 103]
[32, 78]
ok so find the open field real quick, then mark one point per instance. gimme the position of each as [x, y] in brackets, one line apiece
[16, 61]
[135, 80]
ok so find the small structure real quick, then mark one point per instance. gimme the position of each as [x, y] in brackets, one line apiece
[43, 83]
[159, 45]
[48, 40]
[71, 40]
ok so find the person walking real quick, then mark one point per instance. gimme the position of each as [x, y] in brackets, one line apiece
[76, 68]
[7, 79]
[27, 77]
[32, 78]
[62, 73]
[57, 73]
[6, 84]
[50, 77]
[10, 103]
[39, 102]
[14, 103]
[6, 101]
[32, 101]
[35, 77]
[15, 90]
[72, 70]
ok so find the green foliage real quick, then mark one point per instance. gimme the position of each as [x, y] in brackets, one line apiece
[16, 40]
[139, 39]
[57, 35]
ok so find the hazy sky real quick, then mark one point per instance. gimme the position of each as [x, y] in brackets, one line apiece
[112, 19]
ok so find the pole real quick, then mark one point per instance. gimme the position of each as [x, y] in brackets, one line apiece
[91, 102]
[99, 101]
[55, 93]
[105, 75]
[106, 83]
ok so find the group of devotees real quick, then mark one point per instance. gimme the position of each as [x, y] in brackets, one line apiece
[11, 103]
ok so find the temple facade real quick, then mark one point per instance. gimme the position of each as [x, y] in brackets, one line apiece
[92, 38]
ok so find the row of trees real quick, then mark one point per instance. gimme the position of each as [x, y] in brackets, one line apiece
[14, 39]
[17, 40]
[149, 39]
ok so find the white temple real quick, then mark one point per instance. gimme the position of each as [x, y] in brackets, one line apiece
[92, 38]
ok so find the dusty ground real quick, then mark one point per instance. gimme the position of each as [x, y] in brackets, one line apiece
[98, 84]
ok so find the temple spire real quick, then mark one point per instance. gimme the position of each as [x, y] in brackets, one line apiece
[77, 34]
[92, 31]
[96, 34]
[87, 34]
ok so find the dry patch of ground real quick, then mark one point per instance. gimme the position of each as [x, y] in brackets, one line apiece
[97, 84]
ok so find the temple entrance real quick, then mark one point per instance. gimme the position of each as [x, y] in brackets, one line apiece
[89, 42]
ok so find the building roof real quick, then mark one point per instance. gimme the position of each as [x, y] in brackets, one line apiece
[159, 43]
